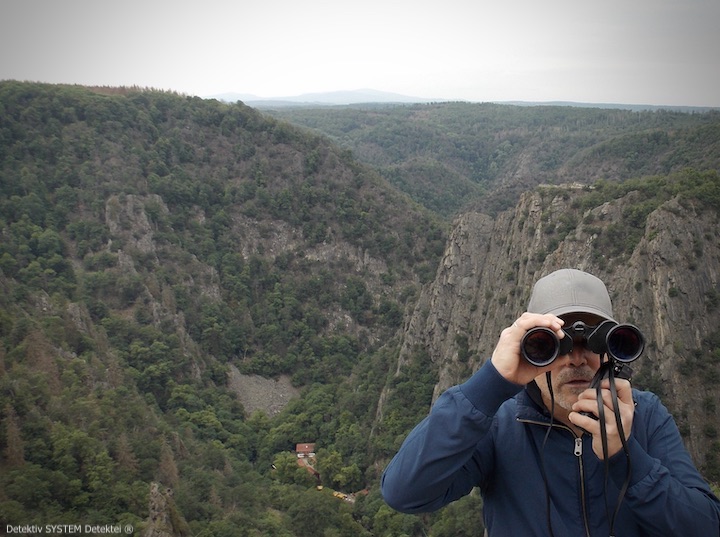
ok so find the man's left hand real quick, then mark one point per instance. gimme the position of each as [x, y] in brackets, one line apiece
[587, 402]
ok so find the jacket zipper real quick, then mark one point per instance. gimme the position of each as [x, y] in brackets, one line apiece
[577, 451]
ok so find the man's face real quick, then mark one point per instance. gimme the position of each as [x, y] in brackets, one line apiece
[572, 372]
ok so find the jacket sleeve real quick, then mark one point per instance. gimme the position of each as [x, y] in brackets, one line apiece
[450, 451]
[666, 493]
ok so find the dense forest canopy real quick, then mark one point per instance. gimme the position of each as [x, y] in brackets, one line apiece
[456, 156]
[150, 242]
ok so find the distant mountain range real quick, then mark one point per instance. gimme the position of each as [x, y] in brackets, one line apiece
[333, 98]
[368, 96]
[616, 106]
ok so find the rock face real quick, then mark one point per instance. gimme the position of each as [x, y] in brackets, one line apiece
[163, 518]
[662, 275]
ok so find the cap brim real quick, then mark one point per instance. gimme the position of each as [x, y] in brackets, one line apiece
[580, 308]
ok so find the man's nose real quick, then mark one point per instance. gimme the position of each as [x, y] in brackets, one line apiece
[578, 355]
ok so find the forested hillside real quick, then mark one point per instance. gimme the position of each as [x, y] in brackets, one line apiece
[155, 248]
[150, 241]
[460, 156]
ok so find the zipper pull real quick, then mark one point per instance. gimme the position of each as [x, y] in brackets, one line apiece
[578, 447]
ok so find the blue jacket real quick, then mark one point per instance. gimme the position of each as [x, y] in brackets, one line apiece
[491, 433]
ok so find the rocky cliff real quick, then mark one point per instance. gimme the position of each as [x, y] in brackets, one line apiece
[163, 518]
[662, 270]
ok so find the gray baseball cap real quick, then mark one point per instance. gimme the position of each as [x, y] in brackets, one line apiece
[570, 291]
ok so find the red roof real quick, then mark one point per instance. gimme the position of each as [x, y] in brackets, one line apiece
[305, 448]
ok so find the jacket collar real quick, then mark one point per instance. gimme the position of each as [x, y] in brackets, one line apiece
[530, 405]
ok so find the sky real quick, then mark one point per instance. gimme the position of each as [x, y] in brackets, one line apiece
[656, 52]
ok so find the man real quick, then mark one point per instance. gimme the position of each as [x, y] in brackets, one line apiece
[545, 464]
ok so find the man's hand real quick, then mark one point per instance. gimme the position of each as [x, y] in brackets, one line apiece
[587, 402]
[507, 357]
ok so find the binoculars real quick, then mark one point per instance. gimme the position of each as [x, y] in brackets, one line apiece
[622, 342]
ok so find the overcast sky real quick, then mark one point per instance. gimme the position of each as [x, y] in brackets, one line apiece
[662, 52]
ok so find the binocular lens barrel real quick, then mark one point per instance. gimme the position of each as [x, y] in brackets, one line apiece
[540, 346]
[623, 342]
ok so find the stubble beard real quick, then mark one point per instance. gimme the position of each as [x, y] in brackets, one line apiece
[567, 394]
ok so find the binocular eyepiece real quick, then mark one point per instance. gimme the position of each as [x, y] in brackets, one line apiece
[622, 342]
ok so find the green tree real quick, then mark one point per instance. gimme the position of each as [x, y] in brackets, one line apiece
[15, 447]
[287, 470]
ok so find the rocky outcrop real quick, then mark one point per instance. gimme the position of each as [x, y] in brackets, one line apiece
[163, 518]
[663, 277]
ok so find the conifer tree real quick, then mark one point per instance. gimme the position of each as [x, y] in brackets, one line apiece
[15, 450]
[167, 470]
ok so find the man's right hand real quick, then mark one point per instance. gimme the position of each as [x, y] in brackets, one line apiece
[508, 359]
